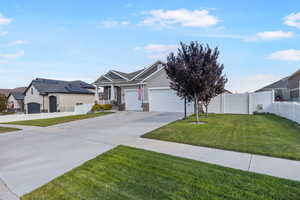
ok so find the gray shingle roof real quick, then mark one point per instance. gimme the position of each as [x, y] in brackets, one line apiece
[6, 92]
[133, 77]
[282, 83]
[18, 95]
[45, 86]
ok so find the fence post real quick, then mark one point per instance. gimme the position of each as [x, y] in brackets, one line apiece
[250, 104]
[273, 96]
[223, 103]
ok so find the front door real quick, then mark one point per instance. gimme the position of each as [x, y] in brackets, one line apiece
[53, 104]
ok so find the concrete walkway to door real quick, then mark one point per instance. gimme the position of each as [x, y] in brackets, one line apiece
[35, 156]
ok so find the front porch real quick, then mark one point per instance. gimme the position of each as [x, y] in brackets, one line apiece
[115, 95]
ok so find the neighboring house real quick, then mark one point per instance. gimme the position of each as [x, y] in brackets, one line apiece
[46, 95]
[285, 89]
[294, 86]
[6, 92]
[147, 89]
[15, 102]
[280, 88]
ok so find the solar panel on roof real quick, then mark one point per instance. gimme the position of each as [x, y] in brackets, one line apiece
[70, 88]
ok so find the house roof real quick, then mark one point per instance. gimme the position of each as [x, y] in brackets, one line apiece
[294, 74]
[135, 77]
[45, 86]
[18, 95]
[6, 92]
[282, 83]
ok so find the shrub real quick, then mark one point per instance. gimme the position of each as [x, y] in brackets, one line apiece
[3, 103]
[107, 106]
[96, 107]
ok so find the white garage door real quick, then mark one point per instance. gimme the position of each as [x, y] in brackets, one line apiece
[166, 100]
[132, 101]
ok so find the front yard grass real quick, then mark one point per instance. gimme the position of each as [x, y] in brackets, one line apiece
[57, 120]
[6, 129]
[258, 134]
[129, 173]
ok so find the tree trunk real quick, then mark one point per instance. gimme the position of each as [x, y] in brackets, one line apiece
[184, 107]
[197, 108]
[206, 110]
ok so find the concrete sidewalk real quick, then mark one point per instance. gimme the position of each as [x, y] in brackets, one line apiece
[277, 167]
[21, 117]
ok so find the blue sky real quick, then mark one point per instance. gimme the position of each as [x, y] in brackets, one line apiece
[77, 39]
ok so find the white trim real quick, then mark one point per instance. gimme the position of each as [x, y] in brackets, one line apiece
[107, 78]
[119, 75]
[133, 89]
[159, 88]
[137, 84]
[152, 74]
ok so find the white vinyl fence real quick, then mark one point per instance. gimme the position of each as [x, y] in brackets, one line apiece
[83, 109]
[246, 103]
[289, 110]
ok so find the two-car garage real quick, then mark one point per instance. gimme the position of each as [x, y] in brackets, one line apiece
[166, 100]
[160, 99]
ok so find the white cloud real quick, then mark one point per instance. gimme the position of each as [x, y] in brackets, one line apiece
[291, 55]
[12, 55]
[3, 62]
[160, 47]
[137, 48]
[157, 51]
[110, 23]
[250, 83]
[4, 21]
[17, 42]
[271, 35]
[3, 33]
[293, 20]
[184, 17]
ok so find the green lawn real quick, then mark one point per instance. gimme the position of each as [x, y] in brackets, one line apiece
[259, 134]
[6, 129]
[128, 173]
[57, 120]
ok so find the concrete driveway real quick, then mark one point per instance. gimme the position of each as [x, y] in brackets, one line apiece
[35, 156]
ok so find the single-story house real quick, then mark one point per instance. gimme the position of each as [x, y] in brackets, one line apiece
[46, 95]
[287, 88]
[6, 92]
[147, 89]
[15, 102]
[294, 85]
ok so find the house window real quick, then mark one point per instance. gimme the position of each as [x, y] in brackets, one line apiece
[31, 90]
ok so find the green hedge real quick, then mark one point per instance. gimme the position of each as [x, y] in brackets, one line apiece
[99, 107]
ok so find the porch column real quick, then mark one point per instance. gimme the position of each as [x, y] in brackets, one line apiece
[96, 94]
[112, 93]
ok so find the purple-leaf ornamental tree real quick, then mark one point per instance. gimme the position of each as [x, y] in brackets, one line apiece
[195, 73]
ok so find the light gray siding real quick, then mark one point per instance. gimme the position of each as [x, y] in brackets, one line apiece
[157, 80]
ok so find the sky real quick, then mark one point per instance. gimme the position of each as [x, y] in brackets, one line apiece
[82, 39]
